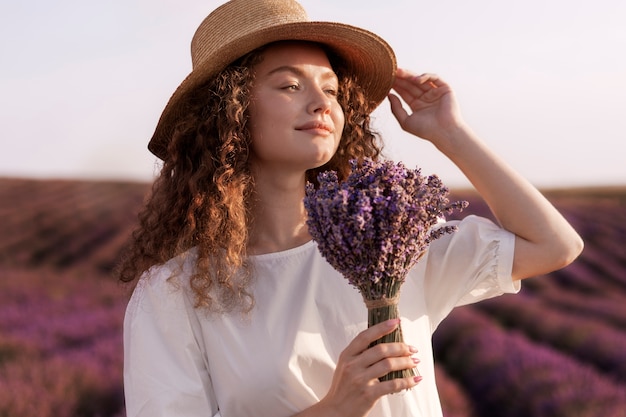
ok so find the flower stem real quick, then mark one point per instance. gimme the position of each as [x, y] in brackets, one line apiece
[378, 315]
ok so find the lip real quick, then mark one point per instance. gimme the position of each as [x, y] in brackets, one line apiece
[316, 127]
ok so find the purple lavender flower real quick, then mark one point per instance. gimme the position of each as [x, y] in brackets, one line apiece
[374, 227]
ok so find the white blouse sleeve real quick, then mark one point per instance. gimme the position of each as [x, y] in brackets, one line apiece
[165, 370]
[469, 265]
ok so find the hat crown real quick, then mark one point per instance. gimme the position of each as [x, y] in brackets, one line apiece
[240, 26]
[240, 18]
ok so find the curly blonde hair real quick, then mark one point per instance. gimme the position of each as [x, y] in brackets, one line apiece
[202, 195]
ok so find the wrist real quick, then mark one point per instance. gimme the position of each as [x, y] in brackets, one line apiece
[452, 139]
[321, 409]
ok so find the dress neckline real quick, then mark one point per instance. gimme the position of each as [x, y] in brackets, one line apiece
[284, 253]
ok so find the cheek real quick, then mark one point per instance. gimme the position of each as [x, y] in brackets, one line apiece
[267, 111]
[339, 118]
[256, 121]
[251, 113]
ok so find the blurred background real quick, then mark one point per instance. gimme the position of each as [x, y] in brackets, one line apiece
[82, 85]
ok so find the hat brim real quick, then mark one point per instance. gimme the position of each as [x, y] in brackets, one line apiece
[364, 53]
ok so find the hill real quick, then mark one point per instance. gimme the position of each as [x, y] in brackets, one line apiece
[556, 349]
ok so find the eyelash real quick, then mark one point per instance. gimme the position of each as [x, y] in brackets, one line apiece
[331, 91]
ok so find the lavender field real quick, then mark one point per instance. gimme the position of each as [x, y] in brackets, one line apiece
[556, 349]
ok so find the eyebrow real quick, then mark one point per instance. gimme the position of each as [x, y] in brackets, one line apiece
[297, 71]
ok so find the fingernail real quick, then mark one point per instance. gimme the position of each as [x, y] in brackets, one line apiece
[412, 349]
[393, 322]
[417, 379]
[416, 361]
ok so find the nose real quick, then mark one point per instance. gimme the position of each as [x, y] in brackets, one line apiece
[319, 102]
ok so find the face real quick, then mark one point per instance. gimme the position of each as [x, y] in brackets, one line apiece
[295, 120]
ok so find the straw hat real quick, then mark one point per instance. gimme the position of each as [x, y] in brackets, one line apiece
[240, 26]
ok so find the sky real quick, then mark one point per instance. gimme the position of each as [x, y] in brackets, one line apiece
[543, 82]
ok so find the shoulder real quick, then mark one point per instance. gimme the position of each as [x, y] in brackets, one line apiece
[175, 271]
[478, 250]
[474, 235]
[164, 286]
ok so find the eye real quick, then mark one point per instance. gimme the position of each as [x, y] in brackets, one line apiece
[331, 91]
[291, 87]
[330, 88]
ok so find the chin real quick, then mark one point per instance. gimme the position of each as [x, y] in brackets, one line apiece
[321, 161]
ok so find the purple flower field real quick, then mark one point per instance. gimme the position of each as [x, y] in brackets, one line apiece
[556, 349]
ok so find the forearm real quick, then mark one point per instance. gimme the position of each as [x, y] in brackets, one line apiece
[545, 240]
[317, 410]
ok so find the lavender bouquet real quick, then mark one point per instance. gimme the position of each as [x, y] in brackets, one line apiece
[374, 227]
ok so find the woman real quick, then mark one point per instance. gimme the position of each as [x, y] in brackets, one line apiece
[235, 313]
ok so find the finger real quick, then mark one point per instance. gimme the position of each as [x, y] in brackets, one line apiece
[395, 385]
[433, 83]
[397, 109]
[431, 80]
[418, 80]
[407, 92]
[408, 88]
[421, 88]
[414, 83]
[430, 92]
[405, 73]
[426, 77]
[388, 364]
[363, 340]
[384, 351]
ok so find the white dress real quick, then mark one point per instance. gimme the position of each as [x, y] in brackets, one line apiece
[279, 360]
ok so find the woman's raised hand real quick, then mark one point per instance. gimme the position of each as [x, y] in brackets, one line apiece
[434, 114]
[544, 241]
[355, 387]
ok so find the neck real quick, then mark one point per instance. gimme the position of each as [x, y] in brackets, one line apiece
[278, 216]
